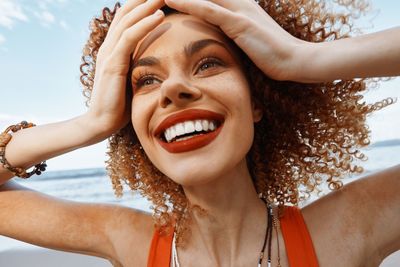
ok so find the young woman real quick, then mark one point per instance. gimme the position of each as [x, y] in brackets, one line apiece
[223, 114]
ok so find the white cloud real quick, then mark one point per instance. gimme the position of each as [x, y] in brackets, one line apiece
[48, 17]
[13, 11]
[64, 25]
[45, 17]
[44, 4]
[10, 12]
[2, 39]
[45, 9]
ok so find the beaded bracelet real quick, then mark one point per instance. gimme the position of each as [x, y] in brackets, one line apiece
[5, 138]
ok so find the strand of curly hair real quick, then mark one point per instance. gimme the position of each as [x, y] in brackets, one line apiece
[290, 158]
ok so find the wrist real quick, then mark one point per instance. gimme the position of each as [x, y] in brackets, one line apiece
[98, 128]
[91, 129]
[303, 64]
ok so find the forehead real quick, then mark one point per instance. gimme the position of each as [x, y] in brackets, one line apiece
[176, 31]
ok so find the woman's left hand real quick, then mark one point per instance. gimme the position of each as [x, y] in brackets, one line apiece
[282, 56]
[269, 46]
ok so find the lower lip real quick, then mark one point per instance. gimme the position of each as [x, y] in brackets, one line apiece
[192, 143]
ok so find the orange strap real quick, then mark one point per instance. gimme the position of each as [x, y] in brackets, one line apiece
[160, 250]
[299, 246]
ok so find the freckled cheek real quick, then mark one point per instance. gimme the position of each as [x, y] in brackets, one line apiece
[137, 126]
[134, 113]
[139, 118]
[231, 90]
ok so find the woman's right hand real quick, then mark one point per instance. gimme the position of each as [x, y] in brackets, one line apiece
[109, 109]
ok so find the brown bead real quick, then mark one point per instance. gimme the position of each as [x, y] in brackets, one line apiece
[4, 139]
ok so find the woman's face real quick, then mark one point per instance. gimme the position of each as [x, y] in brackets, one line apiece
[191, 109]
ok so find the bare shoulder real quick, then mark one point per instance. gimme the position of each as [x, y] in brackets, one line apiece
[130, 232]
[359, 222]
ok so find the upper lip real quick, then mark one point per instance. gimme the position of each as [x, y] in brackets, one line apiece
[186, 115]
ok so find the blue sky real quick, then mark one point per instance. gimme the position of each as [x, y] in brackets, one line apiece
[40, 49]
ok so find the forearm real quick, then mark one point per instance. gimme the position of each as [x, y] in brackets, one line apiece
[40, 219]
[370, 55]
[31, 146]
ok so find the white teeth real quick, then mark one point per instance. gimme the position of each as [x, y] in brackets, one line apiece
[188, 127]
[172, 133]
[212, 126]
[167, 134]
[197, 126]
[204, 123]
[180, 129]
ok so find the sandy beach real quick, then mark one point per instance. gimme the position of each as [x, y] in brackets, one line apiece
[50, 258]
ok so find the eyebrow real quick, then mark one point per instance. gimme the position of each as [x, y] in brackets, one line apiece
[146, 61]
[199, 45]
[189, 50]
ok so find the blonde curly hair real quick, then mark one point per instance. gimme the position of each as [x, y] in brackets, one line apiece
[289, 158]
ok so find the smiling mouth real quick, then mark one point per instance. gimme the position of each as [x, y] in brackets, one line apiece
[189, 130]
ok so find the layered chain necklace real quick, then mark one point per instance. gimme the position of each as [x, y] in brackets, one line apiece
[272, 222]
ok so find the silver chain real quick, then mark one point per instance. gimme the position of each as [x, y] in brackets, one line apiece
[175, 260]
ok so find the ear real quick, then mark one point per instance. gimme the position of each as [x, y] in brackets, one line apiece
[257, 112]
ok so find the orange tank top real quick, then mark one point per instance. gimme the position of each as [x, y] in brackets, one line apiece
[298, 243]
[299, 247]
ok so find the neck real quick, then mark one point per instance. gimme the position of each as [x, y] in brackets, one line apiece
[235, 219]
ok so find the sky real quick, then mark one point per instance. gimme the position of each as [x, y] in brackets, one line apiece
[40, 49]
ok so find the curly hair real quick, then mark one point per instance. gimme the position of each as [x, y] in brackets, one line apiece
[289, 158]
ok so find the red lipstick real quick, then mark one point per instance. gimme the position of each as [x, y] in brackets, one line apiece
[193, 142]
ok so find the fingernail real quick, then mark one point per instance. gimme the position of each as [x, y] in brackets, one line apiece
[159, 13]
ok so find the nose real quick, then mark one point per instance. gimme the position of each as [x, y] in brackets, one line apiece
[177, 92]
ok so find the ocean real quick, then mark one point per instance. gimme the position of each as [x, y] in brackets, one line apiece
[84, 185]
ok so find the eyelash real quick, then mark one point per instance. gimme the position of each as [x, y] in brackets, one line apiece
[146, 76]
[143, 78]
[209, 60]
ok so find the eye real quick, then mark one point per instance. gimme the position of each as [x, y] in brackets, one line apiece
[208, 63]
[144, 80]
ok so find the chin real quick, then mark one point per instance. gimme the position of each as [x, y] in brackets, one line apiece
[194, 176]
[202, 169]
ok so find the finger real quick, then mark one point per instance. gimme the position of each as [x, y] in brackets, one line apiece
[131, 36]
[135, 15]
[234, 5]
[125, 9]
[121, 12]
[206, 10]
[231, 23]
